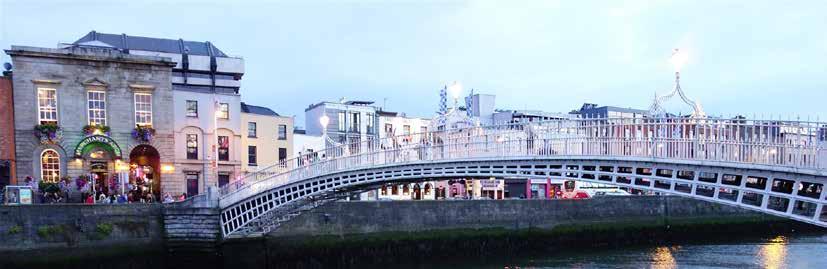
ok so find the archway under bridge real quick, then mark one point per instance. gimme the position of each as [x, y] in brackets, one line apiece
[781, 191]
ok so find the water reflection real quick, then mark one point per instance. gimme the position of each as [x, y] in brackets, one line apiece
[773, 253]
[662, 258]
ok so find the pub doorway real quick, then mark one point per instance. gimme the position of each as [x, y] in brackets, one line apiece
[144, 174]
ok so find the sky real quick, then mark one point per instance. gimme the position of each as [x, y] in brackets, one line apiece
[753, 58]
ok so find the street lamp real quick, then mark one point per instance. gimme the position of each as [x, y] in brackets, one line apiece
[324, 121]
[455, 90]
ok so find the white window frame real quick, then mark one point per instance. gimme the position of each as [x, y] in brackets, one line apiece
[90, 110]
[137, 112]
[41, 109]
[55, 169]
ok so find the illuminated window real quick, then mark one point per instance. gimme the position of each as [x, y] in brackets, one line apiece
[143, 109]
[47, 105]
[50, 166]
[97, 107]
[342, 122]
[223, 148]
[192, 147]
[223, 111]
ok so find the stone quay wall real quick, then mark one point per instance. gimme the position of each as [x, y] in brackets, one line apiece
[345, 218]
[65, 231]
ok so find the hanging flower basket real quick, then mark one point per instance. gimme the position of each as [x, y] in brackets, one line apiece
[48, 133]
[96, 129]
[143, 133]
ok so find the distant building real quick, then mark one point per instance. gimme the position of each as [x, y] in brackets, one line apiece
[595, 111]
[206, 106]
[349, 122]
[304, 144]
[398, 124]
[267, 139]
[526, 116]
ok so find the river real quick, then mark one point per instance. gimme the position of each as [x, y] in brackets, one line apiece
[776, 252]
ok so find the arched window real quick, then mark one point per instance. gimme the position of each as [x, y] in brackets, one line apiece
[406, 189]
[50, 166]
[427, 188]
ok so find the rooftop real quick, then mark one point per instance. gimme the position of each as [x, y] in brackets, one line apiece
[128, 42]
[259, 110]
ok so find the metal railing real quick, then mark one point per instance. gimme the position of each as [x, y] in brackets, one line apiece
[794, 144]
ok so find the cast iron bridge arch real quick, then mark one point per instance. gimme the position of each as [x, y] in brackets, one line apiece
[776, 167]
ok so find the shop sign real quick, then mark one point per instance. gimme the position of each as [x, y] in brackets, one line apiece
[116, 150]
[490, 185]
[25, 196]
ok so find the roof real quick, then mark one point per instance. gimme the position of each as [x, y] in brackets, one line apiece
[127, 42]
[260, 110]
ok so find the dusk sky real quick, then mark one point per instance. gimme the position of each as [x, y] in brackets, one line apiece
[745, 57]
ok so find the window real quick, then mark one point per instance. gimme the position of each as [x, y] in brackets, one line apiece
[406, 129]
[223, 111]
[355, 123]
[223, 179]
[192, 147]
[223, 148]
[192, 108]
[50, 166]
[342, 122]
[370, 120]
[47, 106]
[282, 154]
[143, 109]
[251, 129]
[282, 132]
[388, 130]
[423, 129]
[251, 155]
[96, 101]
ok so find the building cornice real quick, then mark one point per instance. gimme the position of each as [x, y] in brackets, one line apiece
[89, 54]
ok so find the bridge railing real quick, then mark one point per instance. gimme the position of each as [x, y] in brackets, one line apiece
[782, 143]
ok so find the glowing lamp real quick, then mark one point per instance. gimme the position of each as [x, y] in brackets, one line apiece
[679, 59]
[324, 120]
[167, 168]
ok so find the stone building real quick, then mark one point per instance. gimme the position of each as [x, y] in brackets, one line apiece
[94, 112]
[268, 139]
[206, 106]
[7, 163]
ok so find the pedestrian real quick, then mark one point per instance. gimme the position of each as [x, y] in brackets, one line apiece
[183, 197]
[89, 199]
[168, 198]
[102, 198]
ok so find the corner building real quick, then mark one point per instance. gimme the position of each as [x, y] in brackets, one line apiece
[77, 110]
[206, 107]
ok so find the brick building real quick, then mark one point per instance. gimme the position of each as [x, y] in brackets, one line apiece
[7, 163]
[94, 112]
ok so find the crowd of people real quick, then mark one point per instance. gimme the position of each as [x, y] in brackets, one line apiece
[61, 192]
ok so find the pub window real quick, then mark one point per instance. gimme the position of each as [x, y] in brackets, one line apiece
[223, 148]
[143, 109]
[47, 105]
[96, 101]
[192, 108]
[223, 111]
[192, 147]
[251, 155]
[251, 129]
[50, 166]
[282, 132]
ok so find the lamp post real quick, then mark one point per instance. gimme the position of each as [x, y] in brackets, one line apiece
[324, 121]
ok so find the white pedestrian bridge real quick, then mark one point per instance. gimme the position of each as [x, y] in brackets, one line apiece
[772, 166]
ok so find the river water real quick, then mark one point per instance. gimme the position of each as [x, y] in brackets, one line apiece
[775, 252]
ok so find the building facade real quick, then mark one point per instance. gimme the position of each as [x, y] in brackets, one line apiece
[93, 114]
[348, 122]
[593, 111]
[206, 106]
[267, 137]
[7, 163]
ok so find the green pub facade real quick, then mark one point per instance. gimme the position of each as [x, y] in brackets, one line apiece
[94, 114]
